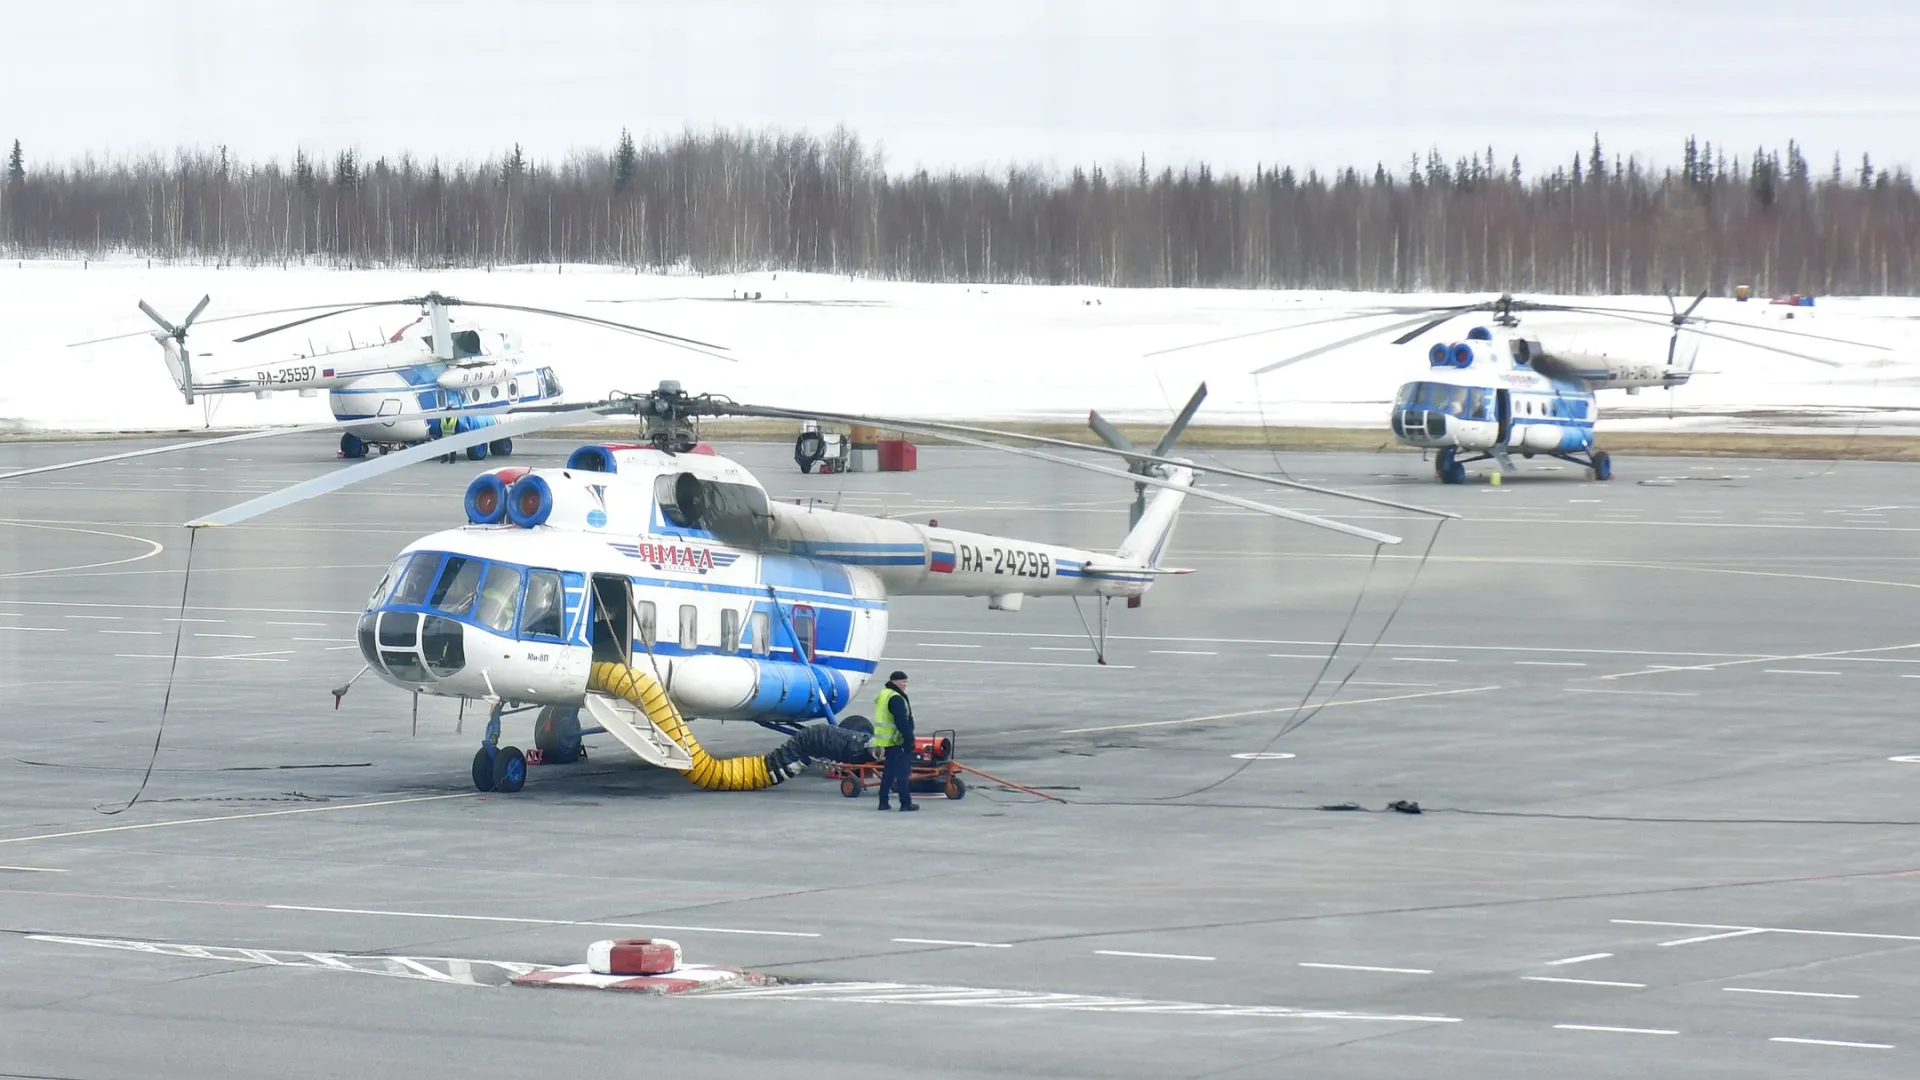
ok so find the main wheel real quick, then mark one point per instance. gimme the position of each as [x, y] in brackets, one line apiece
[477, 452]
[1456, 474]
[857, 723]
[483, 769]
[1447, 469]
[851, 787]
[501, 448]
[509, 770]
[557, 733]
[352, 447]
[957, 788]
[1602, 465]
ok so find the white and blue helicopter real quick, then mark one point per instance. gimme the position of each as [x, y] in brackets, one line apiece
[381, 389]
[644, 584]
[1498, 393]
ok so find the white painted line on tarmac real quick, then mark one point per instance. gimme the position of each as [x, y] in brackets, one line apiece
[1362, 967]
[1149, 955]
[1012, 663]
[1795, 671]
[1296, 656]
[1585, 982]
[1278, 709]
[1550, 663]
[235, 817]
[917, 644]
[1770, 930]
[1181, 652]
[245, 637]
[288, 623]
[37, 629]
[326, 640]
[880, 993]
[146, 633]
[113, 618]
[1579, 959]
[1832, 1042]
[959, 944]
[1632, 693]
[1427, 659]
[1055, 648]
[171, 619]
[1789, 993]
[33, 869]
[525, 921]
[1614, 1030]
[1712, 937]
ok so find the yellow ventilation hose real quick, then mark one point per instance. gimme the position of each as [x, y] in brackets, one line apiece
[646, 693]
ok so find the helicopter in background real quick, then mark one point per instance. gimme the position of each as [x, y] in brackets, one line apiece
[381, 389]
[1498, 392]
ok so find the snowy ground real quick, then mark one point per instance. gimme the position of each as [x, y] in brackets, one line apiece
[998, 352]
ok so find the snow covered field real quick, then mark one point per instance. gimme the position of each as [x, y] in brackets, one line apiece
[948, 351]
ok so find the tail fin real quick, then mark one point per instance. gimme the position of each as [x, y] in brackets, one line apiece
[1150, 534]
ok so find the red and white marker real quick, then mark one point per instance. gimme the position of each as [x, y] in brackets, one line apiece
[633, 956]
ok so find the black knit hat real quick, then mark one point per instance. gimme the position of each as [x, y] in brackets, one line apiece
[896, 676]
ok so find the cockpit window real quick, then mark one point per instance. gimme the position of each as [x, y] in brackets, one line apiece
[544, 613]
[497, 598]
[1465, 402]
[386, 582]
[416, 580]
[458, 585]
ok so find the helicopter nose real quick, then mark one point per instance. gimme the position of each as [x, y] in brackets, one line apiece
[412, 646]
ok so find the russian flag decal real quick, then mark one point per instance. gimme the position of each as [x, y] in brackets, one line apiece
[940, 556]
[326, 373]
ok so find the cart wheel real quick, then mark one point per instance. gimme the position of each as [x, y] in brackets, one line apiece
[956, 788]
[850, 786]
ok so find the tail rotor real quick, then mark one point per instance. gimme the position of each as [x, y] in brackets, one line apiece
[1140, 466]
[173, 341]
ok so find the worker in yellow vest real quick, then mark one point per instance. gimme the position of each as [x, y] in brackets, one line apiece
[893, 734]
[448, 425]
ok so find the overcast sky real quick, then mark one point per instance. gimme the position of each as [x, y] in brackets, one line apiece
[1324, 83]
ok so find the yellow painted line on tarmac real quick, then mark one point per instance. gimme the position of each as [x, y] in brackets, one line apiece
[234, 817]
[1280, 709]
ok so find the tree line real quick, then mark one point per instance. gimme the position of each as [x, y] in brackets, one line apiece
[730, 201]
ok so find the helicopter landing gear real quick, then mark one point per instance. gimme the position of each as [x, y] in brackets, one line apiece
[477, 452]
[1602, 467]
[495, 767]
[352, 448]
[500, 448]
[1448, 468]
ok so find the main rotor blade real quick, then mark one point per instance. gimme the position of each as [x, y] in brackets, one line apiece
[609, 323]
[941, 430]
[1691, 308]
[1348, 317]
[1344, 342]
[314, 318]
[911, 427]
[1180, 422]
[399, 459]
[1634, 313]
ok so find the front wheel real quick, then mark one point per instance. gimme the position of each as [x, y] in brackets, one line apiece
[957, 788]
[509, 770]
[501, 448]
[352, 447]
[477, 452]
[1602, 465]
[483, 769]
[851, 787]
[557, 734]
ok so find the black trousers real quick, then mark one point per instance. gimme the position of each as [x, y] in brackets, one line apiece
[895, 773]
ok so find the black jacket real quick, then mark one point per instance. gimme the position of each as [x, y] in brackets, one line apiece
[902, 711]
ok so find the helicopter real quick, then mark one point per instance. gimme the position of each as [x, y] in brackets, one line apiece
[381, 389]
[1497, 393]
[645, 583]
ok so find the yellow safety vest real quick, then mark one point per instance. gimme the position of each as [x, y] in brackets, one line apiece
[884, 732]
[448, 423]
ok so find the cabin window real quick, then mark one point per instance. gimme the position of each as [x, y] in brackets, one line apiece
[497, 598]
[689, 626]
[417, 579]
[762, 633]
[729, 631]
[459, 584]
[648, 622]
[544, 613]
[803, 634]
